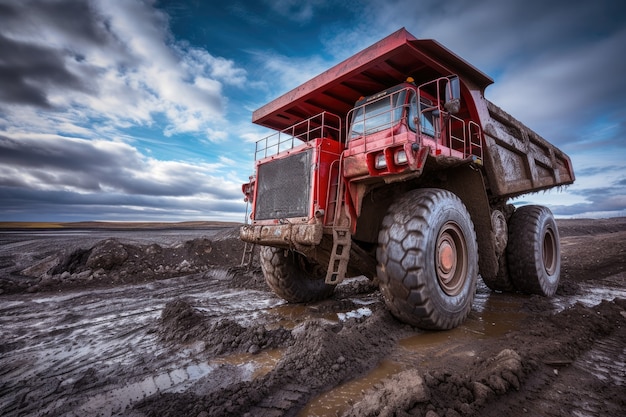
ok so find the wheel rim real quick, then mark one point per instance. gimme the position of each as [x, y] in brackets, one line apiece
[549, 252]
[451, 259]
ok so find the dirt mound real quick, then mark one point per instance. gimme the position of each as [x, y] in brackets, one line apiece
[323, 354]
[113, 261]
[180, 323]
[404, 390]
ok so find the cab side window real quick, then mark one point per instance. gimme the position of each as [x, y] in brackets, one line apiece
[426, 119]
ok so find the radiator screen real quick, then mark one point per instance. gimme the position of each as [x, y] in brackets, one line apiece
[284, 187]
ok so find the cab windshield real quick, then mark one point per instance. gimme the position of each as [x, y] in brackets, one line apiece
[377, 115]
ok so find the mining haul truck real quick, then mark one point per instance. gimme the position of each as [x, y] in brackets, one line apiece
[393, 165]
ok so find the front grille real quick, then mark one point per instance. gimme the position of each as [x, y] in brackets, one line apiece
[284, 187]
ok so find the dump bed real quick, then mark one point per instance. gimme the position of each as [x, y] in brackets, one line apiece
[517, 159]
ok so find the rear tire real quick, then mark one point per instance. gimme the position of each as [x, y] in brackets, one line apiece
[534, 251]
[428, 259]
[292, 276]
[501, 281]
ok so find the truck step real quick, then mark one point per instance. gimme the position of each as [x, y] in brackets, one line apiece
[248, 254]
[340, 255]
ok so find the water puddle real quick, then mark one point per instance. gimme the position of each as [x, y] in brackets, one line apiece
[254, 365]
[339, 399]
[602, 363]
[116, 401]
[592, 294]
[289, 316]
[355, 314]
[493, 316]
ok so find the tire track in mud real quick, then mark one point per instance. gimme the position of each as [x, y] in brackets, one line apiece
[59, 350]
[601, 371]
[323, 354]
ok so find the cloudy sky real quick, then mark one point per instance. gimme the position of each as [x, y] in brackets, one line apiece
[140, 109]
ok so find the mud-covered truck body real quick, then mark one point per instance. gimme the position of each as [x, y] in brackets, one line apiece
[393, 165]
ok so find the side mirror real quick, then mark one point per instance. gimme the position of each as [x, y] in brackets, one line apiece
[453, 95]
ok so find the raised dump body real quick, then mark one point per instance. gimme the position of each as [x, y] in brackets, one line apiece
[392, 165]
[518, 160]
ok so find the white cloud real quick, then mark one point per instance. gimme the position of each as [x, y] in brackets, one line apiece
[286, 72]
[127, 72]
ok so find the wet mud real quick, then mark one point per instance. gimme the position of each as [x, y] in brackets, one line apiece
[166, 323]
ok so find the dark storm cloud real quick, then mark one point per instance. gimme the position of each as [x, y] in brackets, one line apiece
[604, 201]
[26, 70]
[95, 166]
[30, 69]
[75, 19]
[602, 207]
[72, 155]
[587, 172]
[30, 205]
[558, 65]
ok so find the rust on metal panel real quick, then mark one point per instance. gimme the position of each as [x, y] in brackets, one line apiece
[282, 234]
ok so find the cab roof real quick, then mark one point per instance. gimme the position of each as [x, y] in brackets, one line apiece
[386, 63]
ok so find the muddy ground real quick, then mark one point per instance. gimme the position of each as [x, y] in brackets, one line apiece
[166, 323]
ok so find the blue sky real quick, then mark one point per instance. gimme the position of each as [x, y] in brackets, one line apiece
[132, 110]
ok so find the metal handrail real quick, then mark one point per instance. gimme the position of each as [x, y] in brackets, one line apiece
[322, 125]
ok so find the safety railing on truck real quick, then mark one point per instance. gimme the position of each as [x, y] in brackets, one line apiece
[398, 115]
[462, 137]
[323, 125]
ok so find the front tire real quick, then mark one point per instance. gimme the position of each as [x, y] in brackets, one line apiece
[428, 259]
[534, 251]
[292, 276]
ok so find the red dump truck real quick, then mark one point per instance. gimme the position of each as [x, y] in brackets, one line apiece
[393, 165]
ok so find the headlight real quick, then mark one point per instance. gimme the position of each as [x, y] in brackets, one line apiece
[400, 157]
[380, 162]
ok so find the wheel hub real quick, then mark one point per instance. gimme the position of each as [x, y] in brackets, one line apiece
[446, 257]
[451, 259]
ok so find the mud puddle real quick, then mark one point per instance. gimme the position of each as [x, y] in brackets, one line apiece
[591, 293]
[493, 315]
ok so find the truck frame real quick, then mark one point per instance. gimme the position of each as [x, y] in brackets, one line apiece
[393, 165]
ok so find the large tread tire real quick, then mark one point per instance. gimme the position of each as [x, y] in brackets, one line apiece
[502, 281]
[428, 259]
[534, 251]
[292, 276]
